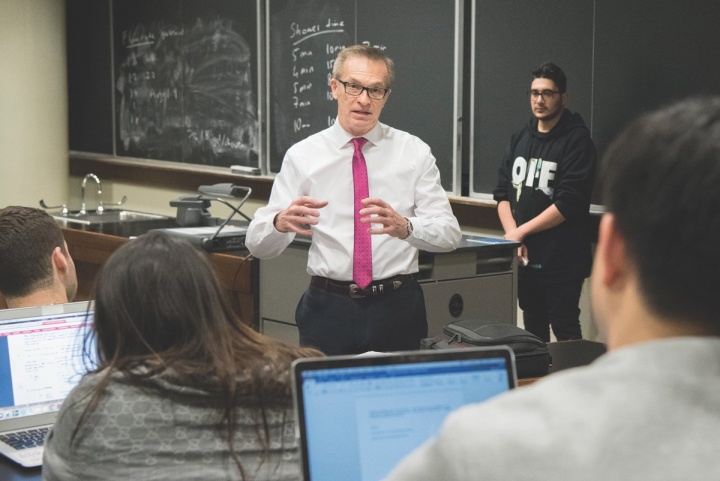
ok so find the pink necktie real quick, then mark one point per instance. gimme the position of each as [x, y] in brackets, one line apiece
[362, 252]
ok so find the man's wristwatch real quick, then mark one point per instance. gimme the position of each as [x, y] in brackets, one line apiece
[409, 229]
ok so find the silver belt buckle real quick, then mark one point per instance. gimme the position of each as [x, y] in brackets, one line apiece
[355, 292]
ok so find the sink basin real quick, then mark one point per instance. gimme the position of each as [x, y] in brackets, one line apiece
[108, 216]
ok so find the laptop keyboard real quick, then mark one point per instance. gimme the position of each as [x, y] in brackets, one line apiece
[30, 438]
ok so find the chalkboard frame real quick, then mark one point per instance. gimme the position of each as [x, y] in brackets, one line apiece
[80, 162]
[105, 104]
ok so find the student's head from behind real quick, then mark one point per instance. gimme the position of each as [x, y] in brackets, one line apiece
[661, 187]
[361, 82]
[158, 295]
[157, 299]
[161, 321]
[35, 264]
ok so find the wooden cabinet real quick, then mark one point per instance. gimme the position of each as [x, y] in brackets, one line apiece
[236, 272]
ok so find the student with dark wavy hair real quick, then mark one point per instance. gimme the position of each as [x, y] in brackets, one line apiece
[182, 388]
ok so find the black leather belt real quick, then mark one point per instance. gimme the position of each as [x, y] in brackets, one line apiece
[349, 288]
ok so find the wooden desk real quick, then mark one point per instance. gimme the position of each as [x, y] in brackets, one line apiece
[236, 272]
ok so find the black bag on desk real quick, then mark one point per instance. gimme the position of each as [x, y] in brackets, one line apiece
[532, 356]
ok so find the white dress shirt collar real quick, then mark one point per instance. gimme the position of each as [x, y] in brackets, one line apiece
[341, 137]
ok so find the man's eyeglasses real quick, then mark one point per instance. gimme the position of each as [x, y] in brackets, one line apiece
[375, 93]
[545, 94]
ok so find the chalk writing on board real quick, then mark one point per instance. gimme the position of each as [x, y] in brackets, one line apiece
[305, 39]
[185, 93]
[304, 65]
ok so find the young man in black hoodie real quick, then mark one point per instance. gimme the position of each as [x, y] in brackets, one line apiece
[543, 194]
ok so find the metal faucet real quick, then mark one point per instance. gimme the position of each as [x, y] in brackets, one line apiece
[100, 207]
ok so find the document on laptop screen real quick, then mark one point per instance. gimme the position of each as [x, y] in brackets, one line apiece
[362, 421]
[40, 363]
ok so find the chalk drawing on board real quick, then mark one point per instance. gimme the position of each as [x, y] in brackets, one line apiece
[185, 93]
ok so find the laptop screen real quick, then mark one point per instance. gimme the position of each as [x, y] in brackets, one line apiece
[40, 357]
[359, 416]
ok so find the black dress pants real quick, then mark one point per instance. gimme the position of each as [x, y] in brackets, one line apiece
[555, 305]
[338, 324]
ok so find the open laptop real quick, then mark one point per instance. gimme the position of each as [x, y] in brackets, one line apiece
[358, 416]
[40, 362]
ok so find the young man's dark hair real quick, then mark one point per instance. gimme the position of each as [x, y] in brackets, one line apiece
[551, 71]
[28, 240]
[661, 180]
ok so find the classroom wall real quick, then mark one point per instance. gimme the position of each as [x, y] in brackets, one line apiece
[33, 124]
[33, 112]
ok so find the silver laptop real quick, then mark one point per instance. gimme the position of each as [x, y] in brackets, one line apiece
[40, 362]
[358, 416]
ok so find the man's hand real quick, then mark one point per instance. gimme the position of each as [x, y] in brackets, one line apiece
[518, 235]
[377, 211]
[522, 255]
[299, 216]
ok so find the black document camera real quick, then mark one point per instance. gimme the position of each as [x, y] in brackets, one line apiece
[192, 211]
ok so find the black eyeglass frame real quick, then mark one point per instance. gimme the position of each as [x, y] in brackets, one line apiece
[545, 94]
[366, 89]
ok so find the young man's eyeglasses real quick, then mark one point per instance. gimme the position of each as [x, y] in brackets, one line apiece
[375, 93]
[545, 94]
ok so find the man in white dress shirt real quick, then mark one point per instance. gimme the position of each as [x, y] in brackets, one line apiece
[648, 408]
[406, 209]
